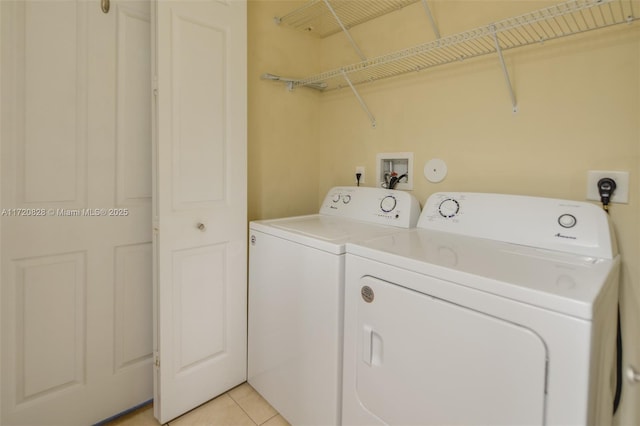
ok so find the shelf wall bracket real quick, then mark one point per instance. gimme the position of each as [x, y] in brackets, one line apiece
[504, 68]
[434, 27]
[345, 31]
[359, 98]
[291, 82]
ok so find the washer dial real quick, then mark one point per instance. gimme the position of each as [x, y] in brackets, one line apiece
[346, 199]
[388, 203]
[335, 198]
[449, 208]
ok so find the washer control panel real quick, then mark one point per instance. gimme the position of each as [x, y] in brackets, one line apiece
[449, 208]
[388, 203]
[375, 205]
[564, 225]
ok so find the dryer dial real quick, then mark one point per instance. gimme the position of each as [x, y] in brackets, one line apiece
[449, 208]
[567, 220]
[388, 203]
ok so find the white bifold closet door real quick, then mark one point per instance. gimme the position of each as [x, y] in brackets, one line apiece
[200, 219]
[83, 188]
[77, 342]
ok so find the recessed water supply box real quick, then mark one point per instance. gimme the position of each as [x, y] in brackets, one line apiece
[394, 170]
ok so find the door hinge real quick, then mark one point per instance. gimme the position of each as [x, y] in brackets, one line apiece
[157, 361]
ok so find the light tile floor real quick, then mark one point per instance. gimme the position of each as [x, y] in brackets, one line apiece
[241, 406]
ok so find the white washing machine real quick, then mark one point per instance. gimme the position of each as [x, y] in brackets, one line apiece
[296, 291]
[495, 310]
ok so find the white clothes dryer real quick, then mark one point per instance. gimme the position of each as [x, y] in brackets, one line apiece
[495, 310]
[296, 291]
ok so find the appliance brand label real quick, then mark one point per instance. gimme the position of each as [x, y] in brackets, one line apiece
[568, 237]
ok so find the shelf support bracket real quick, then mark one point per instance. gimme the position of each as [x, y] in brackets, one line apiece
[344, 29]
[434, 27]
[359, 98]
[291, 83]
[504, 68]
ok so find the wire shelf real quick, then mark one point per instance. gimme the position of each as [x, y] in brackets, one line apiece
[564, 19]
[316, 18]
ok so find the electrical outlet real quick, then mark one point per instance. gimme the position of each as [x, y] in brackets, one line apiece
[360, 169]
[620, 195]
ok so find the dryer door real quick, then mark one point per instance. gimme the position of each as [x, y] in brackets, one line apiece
[423, 360]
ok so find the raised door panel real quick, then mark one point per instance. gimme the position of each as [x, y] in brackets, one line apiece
[133, 121]
[133, 305]
[51, 104]
[199, 93]
[200, 292]
[50, 337]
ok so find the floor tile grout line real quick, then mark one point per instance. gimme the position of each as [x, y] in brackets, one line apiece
[275, 415]
[237, 404]
[243, 410]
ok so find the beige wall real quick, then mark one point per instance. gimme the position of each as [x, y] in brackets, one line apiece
[283, 126]
[579, 110]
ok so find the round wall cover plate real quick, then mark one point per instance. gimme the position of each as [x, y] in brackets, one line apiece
[435, 170]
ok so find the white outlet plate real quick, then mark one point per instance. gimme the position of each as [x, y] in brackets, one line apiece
[620, 195]
[435, 170]
[360, 169]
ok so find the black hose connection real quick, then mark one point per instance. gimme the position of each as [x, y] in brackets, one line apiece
[394, 180]
[618, 395]
[606, 187]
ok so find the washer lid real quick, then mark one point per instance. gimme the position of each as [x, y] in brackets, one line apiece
[328, 233]
[558, 281]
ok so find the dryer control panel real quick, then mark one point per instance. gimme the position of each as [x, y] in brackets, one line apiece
[374, 205]
[564, 225]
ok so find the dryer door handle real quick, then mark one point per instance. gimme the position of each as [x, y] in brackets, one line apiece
[632, 375]
[372, 346]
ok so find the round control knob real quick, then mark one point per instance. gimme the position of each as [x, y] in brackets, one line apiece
[388, 203]
[335, 198]
[449, 208]
[567, 220]
[346, 199]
